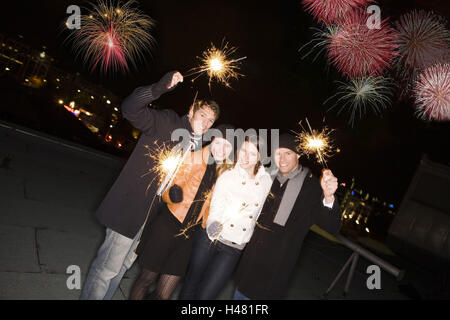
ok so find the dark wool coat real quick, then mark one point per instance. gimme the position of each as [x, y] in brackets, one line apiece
[269, 258]
[125, 207]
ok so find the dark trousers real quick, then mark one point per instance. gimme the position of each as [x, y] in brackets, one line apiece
[210, 267]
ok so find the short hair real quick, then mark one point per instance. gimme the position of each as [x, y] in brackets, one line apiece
[211, 104]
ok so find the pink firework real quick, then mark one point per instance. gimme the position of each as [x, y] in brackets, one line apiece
[329, 11]
[432, 93]
[113, 36]
[108, 51]
[358, 51]
[423, 40]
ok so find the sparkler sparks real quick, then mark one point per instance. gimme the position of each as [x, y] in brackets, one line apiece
[432, 93]
[167, 160]
[313, 142]
[218, 65]
[364, 93]
[113, 36]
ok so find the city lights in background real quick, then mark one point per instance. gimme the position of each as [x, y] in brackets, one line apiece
[108, 138]
[34, 68]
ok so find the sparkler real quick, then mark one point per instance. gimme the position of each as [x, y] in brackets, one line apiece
[358, 51]
[218, 65]
[167, 164]
[329, 11]
[432, 93]
[172, 167]
[314, 142]
[113, 36]
[364, 93]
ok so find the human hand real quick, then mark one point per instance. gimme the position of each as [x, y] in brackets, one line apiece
[329, 184]
[167, 83]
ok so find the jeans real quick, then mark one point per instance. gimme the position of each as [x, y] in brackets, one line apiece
[240, 296]
[115, 256]
[210, 267]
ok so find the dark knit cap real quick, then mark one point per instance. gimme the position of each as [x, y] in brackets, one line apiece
[287, 140]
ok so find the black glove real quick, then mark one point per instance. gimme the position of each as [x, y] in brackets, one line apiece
[161, 86]
[176, 193]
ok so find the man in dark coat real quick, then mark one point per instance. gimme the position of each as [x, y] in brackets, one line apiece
[297, 200]
[132, 199]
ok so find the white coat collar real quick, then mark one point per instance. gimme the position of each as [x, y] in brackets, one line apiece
[244, 174]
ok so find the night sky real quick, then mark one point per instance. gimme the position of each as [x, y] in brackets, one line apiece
[278, 90]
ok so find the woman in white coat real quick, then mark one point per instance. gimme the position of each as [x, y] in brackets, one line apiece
[236, 203]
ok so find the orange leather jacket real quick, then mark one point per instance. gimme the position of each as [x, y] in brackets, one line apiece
[188, 178]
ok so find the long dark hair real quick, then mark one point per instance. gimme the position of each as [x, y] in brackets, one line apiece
[256, 141]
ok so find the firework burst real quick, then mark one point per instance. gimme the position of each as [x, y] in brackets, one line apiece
[360, 94]
[320, 40]
[432, 93]
[317, 143]
[329, 11]
[358, 51]
[218, 65]
[113, 36]
[423, 40]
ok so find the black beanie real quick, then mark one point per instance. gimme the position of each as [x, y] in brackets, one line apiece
[287, 141]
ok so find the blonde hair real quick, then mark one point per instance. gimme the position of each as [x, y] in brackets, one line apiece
[221, 168]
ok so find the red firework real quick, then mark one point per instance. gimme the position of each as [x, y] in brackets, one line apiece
[113, 35]
[330, 11]
[422, 39]
[110, 53]
[358, 51]
[432, 93]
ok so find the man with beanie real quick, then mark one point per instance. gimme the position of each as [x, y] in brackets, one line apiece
[128, 204]
[297, 200]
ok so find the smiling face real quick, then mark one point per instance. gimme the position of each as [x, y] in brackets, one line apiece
[220, 149]
[202, 119]
[248, 156]
[286, 160]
